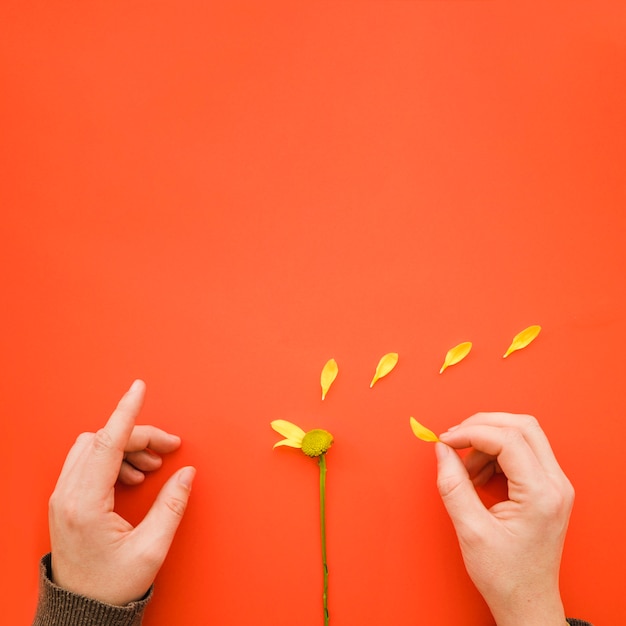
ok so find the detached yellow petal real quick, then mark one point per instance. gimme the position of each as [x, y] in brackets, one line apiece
[421, 432]
[329, 373]
[385, 365]
[521, 340]
[287, 429]
[456, 354]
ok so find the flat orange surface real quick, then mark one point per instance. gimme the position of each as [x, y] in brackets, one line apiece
[219, 197]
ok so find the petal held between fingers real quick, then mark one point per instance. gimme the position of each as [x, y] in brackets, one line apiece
[513, 453]
[530, 429]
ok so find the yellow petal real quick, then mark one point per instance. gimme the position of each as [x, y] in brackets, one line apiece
[421, 432]
[385, 365]
[287, 442]
[329, 373]
[456, 354]
[522, 339]
[290, 431]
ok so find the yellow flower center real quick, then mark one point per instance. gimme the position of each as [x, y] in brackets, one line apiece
[316, 442]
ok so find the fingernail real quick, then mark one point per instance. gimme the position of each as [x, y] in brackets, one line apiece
[453, 428]
[444, 436]
[186, 476]
[137, 384]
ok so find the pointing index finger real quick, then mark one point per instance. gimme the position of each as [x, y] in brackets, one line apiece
[104, 458]
[120, 425]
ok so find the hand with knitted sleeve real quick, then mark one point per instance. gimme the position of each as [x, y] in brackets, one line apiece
[512, 551]
[97, 554]
[59, 607]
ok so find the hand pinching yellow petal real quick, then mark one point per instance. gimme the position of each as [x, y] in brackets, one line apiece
[329, 373]
[421, 432]
[456, 354]
[385, 365]
[522, 339]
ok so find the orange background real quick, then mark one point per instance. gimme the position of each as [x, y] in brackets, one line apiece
[218, 197]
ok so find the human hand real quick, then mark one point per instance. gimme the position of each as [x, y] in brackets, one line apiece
[512, 551]
[96, 552]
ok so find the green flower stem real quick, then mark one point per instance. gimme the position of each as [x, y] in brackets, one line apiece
[322, 464]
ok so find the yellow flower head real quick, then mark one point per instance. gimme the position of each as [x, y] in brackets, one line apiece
[314, 443]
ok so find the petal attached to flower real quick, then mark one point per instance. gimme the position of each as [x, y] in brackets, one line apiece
[329, 373]
[287, 442]
[522, 339]
[456, 354]
[385, 365]
[290, 431]
[421, 432]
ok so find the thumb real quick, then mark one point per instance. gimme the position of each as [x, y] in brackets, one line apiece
[456, 490]
[161, 522]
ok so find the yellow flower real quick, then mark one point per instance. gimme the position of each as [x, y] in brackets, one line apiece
[314, 443]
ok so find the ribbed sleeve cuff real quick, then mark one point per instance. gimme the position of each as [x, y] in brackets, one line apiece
[58, 607]
[578, 622]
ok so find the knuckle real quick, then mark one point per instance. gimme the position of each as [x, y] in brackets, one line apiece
[447, 486]
[102, 441]
[529, 422]
[512, 436]
[53, 503]
[176, 505]
[569, 493]
[557, 501]
[67, 511]
[84, 438]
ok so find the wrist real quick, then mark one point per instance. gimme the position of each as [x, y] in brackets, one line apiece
[532, 618]
[529, 607]
[531, 610]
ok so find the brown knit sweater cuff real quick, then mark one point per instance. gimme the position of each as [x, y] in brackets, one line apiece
[58, 607]
[578, 622]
